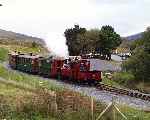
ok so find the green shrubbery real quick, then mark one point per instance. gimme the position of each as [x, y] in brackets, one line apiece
[3, 54]
[123, 78]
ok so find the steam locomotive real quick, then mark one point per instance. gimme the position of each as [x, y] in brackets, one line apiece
[74, 68]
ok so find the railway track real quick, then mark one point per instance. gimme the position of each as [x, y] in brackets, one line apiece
[122, 91]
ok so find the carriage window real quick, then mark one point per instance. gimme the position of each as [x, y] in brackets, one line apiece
[66, 66]
[82, 67]
[20, 60]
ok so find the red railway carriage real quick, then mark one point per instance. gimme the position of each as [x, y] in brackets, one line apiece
[56, 66]
[35, 64]
[13, 60]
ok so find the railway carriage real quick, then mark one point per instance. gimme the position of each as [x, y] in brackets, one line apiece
[45, 65]
[25, 63]
[13, 60]
[57, 64]
[28, 63]
[50, 67]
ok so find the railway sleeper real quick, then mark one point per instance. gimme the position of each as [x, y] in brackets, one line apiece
[149, 98]
[145, 97]
[112, 90]
[106, 88]
[136, 95]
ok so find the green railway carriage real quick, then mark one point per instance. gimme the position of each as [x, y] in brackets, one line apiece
[27, 63]
[45, 66]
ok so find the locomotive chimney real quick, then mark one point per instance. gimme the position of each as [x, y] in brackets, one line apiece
[31, 54]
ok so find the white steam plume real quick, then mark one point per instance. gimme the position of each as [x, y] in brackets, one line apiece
[56, 44]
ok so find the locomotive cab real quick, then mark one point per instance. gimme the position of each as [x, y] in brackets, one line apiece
[88, 72]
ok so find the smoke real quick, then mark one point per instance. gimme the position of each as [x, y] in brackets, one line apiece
[56, 44]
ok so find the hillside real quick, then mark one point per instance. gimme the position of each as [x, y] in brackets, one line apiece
[9, 35]
[19, 42]
[127, 41]
[134, 37]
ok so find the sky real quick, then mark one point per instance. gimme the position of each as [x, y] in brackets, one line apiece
[41, 17]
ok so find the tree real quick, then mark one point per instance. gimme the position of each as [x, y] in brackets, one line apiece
[139, 62]
[34, 44]
[108, 40]
[88, 40]
[79, 40]
[71, 39]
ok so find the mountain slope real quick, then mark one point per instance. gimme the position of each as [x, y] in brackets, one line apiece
[9, 35]
[134, 37]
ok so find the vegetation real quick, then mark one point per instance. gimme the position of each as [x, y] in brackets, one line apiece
[80, 40]
[24, 79]
[87, 40]
[9, 48]
[139, 63]
[18, 104]
[3, 54]
[136, 68]
[71, 38]
[34, 44]
[123, 78]
[108, 41]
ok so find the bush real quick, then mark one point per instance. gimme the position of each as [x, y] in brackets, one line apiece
[123, 78]
[3, 54]
[34, 44]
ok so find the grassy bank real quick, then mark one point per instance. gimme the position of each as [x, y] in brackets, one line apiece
[127, 80]
[30, 80]
[17, 104]
[3, 54]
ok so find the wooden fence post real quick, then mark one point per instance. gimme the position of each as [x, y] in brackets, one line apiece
[92, 109]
